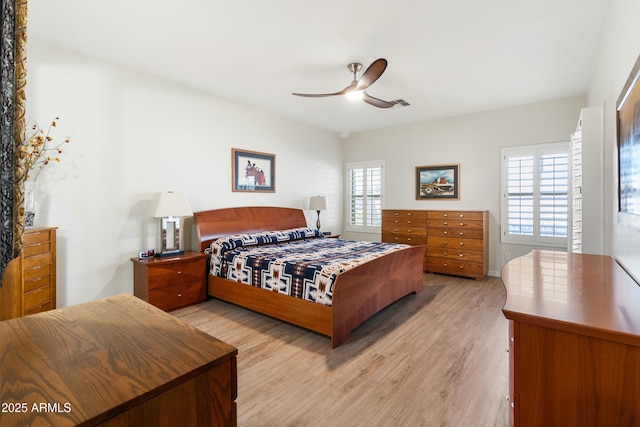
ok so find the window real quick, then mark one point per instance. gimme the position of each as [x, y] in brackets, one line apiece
[535, 194]
[365, 181]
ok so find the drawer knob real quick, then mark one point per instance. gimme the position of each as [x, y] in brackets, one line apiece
[408, 222]
[409, 239]
[445, 232]
[445, 265]
[461, 255]
[461, 267]
[179, 295]
[461, 215]
[408, 230]
[396, 213]
[445, 215]
[462, 223]
[179, 272]
[445, 223]
[409, 214]
[461, 233]
[445, 253]
[461, 243]
[445, 242]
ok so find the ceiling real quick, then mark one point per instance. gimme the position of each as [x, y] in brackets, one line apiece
[446, 58]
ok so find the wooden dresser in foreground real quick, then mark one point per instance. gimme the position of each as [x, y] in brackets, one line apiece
[574, 342]
[457, 241]
[114, 362]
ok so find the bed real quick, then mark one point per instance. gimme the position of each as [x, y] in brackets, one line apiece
[357, 293]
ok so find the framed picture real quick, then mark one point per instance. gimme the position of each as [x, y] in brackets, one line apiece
[628, 131]
[438, 182]
[252, 171]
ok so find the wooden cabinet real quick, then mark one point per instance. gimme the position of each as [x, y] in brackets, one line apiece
[38, 271]
[574, 340]
[114, 362]
[405, 226]
[457, 243]
[171, 283]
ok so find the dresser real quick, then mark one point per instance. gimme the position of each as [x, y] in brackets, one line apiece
[458, 243]
[574, 340]
[38, 271]
[172, 282]
[405, 226]
[114, 362]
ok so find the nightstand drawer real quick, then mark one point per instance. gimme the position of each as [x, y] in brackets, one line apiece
[45, 306]
[176, 296]
[170, 274]
[38, 282]
[33, 236]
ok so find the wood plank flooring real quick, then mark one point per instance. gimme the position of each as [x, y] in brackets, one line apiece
[433, 359]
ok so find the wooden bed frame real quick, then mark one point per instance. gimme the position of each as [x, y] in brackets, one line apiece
[358, 293]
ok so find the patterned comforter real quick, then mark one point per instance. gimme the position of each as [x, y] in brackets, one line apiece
[297, 262]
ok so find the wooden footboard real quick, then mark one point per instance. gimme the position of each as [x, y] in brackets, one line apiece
[358, 294]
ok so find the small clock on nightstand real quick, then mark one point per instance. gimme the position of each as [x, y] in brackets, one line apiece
[172, 282]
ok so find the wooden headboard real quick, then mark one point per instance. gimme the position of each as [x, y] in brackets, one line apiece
[250, 219]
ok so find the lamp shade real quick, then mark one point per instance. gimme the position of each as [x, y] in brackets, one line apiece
[168, 204]
[318, 203]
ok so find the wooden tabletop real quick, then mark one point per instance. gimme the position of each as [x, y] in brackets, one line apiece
[585, 294]
[87, 362]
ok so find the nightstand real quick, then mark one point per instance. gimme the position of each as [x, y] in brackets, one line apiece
[172, 282]
[332, 236]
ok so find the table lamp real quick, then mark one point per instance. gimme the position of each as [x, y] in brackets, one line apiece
[170, 207]
[318, 203]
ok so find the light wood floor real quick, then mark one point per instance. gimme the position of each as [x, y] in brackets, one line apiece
[433, 359]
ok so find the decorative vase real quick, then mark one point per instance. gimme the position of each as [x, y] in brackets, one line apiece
[30, 202]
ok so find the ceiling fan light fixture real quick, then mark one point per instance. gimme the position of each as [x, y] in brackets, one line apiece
[355, 95]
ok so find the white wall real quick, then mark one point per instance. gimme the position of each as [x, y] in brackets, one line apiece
[618, 52]
[473, 141]
[133, 135]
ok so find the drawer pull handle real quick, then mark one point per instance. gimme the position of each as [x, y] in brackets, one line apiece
[461, 255]
[462, 267]
[409, 239]
[461, 233]
[179, 295]
[445, 223]
[461, 243]
[409, 230]
[446, 243]
[396, 213]
[462, 224]
[179, 272]
[445, 265]
[409, 214]
[409, 222]
[445, 215]
[461, 215]
[445, 253]
[445, 232]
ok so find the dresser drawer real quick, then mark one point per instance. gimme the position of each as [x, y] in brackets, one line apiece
[457, 268]
[404, 214]
[179, 295]
[33, 236]
[38, 282]
[161, 275]
[450, 215]
[36, 248]
[37, 271]
[457, 232]
[455, 243]
[37, 297]
[455, 223]
[455, 254]
[45, 306]
[407, 239]
[37, 260]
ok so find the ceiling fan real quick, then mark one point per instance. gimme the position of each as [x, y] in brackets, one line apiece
[357, 87]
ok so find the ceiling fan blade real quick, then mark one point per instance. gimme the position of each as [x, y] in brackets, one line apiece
[372, 73]
[320, 95]
[377, 102]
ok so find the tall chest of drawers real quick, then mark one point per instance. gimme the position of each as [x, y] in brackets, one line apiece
[38, 271]
[457, 243]
[405, 226]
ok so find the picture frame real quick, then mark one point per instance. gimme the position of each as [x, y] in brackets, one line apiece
[438, 182]
[628, 145]
[252, 171]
